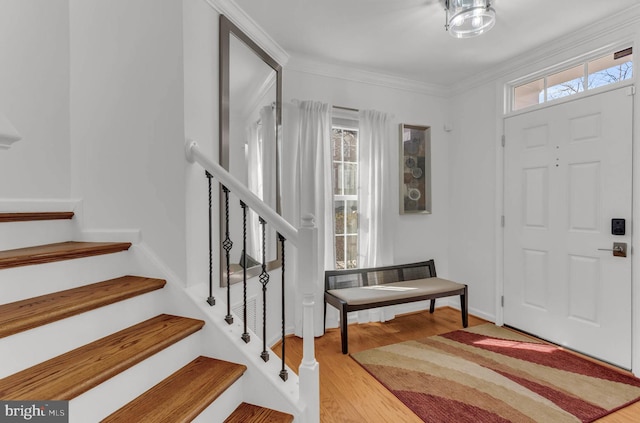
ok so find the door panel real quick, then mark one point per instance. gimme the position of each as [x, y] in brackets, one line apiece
[584, 196]
[567, 174]
[536, 194]
[584, 284]
[535, 278]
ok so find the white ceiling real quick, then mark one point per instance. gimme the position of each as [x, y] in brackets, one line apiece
[406, 38]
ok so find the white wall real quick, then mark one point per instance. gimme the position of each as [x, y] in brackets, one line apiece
[417, 237]
[471, 239]
[127, 120]
[475, 252]
[472, 169]
[34, 95]
[201, 124]
[95, 87]
[104, 93]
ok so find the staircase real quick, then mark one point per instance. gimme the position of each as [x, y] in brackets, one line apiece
[75, 325]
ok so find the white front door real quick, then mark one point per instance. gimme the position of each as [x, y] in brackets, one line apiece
[567, 175]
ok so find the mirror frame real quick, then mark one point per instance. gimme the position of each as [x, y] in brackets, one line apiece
[227, 29]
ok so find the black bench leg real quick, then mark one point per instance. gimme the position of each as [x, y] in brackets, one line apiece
[464, 308]
[432, 306]
[343, 330]
[324, 327]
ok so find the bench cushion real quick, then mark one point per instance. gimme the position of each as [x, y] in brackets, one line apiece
[395, 291]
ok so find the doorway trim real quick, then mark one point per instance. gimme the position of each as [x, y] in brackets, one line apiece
[501, 103]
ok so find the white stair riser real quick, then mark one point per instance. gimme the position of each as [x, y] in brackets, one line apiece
[25, 349]
[18, 283]
[28, 234]
[28, 348]
[224, 405]
[104, 399]
[262, 383]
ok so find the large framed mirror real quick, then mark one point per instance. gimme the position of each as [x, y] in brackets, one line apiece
[250, 128]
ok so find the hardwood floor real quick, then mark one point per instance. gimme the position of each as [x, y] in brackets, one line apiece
[349, 394]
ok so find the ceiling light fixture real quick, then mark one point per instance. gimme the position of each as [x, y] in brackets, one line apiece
[468, 18]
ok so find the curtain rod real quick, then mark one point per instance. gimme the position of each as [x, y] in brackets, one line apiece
[346, 108]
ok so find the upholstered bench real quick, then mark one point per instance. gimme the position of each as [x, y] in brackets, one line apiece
[361, 289]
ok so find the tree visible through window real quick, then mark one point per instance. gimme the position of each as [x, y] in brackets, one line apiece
[344, 147]
[596, 73]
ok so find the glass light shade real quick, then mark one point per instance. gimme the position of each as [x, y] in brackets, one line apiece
[469, 18]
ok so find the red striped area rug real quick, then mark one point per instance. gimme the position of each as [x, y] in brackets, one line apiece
[491, 374]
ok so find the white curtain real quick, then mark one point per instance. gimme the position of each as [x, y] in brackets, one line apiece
[261, 168]
[375, 196]
[307, 172]
[307, 145]
[377, 199]
[254, 181]
[269, 169]
[290, 168]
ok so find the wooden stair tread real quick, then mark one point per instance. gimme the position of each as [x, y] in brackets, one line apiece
[183, 395]
[58, 251]
[249, 413]
[33, 312]
[75, 372]
[30, 216]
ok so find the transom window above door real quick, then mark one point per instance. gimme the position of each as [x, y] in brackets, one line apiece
[588, 75]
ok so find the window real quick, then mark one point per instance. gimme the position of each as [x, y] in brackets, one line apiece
[586, 76]
[565, 83]
[344, 147]
[605, 71]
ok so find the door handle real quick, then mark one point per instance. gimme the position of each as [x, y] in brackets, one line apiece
[619, 249]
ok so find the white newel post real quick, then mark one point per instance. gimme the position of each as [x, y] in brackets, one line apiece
[309, 370]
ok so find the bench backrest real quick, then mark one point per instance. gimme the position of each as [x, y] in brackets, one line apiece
[353, 278]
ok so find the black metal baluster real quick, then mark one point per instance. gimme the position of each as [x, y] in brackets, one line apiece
[227, 244]
[210, 300]
[245, 336]
[284, 375]
[264, 280]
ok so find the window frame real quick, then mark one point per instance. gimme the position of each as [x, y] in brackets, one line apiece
[353, 126]
[582, 60]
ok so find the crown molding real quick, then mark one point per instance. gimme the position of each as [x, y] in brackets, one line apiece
[348, 73]
[609, 31]
[242, 20]
[546, 55]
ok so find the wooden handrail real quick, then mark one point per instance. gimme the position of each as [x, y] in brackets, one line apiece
[194, 154]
